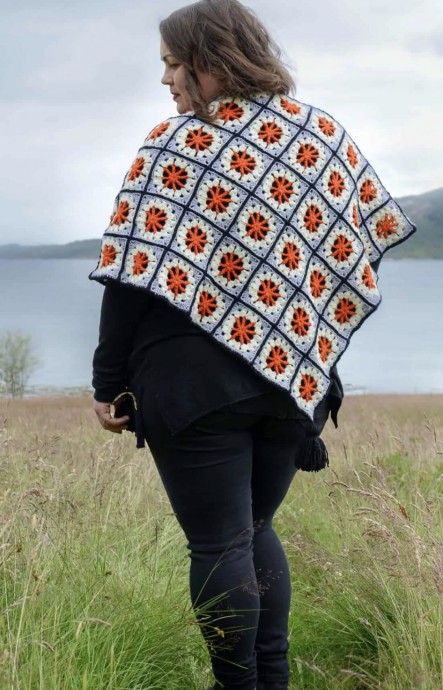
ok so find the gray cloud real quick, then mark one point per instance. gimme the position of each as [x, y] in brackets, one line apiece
[427, 43]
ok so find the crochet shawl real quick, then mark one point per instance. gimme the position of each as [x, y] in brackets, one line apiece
[263, 228]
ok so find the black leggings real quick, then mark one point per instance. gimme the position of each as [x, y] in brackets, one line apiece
[226, 475]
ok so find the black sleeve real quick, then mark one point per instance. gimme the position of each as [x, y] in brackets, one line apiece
[122, 310]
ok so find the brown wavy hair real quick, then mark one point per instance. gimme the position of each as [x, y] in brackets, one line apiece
[226, 39]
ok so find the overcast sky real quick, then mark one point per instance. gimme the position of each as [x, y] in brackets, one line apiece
[80, 89]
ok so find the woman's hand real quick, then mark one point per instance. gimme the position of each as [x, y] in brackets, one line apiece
[107, 421]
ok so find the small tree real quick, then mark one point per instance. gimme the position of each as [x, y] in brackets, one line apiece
[17, 363]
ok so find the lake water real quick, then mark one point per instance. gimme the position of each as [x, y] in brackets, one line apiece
[398, 350]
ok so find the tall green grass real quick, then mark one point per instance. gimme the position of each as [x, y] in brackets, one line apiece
[94, 592]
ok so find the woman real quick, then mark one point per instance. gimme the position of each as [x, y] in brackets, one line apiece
[251, 227]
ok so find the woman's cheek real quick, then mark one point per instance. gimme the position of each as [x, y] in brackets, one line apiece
[180, 80]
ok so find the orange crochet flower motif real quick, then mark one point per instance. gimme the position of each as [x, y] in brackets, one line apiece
[268, 292]
[307, 156]
[336, 184]
[313, 218]
[177, 281]
[156, 220]
[291, 256]
[243, 163]
[136, 169]
[196, 239]
[301, 322]
[308, 387]
[257, 226]
[229, 112]
[324, 348]
[368, 192]
[218, 199]
[342, 248]
[199, 140]
[326, 126]
[121, 214]
[282, 190]
[355, 216]
[270, 133]
[174, 177]
[277, 360]
[317, 283]
[231, 266]
[243, 330]
[160, 130]
[388, 225]
[368, 278]
[207, 304]
[140, 263]
[109, 255]
[352, 156]
[291, 108]
[345, 310]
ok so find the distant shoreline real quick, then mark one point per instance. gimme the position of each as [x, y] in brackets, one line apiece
[425, 211]
[45, 392]
[57, 392]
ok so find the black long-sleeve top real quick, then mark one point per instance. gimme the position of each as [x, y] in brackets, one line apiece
[150, 347]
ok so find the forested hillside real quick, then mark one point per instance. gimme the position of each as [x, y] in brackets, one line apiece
[426, 211]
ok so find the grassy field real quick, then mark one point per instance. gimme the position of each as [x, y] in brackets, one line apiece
[94, 568]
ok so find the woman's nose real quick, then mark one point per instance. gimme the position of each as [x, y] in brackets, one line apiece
[166, 78]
